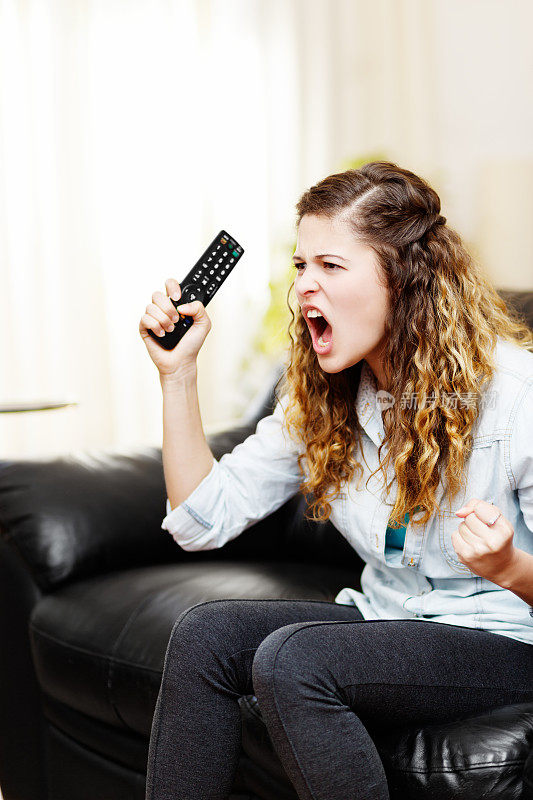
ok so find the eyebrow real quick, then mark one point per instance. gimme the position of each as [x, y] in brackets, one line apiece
[322, 255]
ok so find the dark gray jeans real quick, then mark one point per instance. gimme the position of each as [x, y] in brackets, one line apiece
[319, 672]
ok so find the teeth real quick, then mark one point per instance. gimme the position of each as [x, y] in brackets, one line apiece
[321, 342]
[313, 313]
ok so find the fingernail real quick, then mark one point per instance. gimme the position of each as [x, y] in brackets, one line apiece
[175, 296]
[460, 510]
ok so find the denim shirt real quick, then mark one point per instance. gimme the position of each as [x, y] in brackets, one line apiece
[426, 580]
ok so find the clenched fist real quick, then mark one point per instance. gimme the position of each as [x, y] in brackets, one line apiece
[160, 316]
[484, 540]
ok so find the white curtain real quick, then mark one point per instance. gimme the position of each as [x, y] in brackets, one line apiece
[131, 131]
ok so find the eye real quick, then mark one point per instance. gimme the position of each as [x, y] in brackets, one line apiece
[326, 264]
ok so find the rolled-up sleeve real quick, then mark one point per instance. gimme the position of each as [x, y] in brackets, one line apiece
[243, 487]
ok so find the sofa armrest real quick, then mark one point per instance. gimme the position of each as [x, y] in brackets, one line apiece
[72, 516]
[22, 740]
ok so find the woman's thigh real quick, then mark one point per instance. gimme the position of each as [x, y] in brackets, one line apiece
[395, 672]
[223, 635]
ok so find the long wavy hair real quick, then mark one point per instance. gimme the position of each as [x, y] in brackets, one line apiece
[441, 330]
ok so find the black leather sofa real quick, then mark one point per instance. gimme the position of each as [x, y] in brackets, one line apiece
[90, 587]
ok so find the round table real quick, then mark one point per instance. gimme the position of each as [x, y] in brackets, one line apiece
[42, 405]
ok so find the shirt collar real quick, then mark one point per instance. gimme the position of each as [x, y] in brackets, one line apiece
[368, 410]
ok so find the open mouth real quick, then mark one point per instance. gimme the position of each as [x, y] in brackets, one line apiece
[321, 331]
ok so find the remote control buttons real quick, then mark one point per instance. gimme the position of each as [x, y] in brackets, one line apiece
[190, 293]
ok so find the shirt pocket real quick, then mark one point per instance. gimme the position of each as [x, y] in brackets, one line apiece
[448, 524]
[482, 482]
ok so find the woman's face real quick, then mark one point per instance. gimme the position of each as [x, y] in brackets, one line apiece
[339, 276]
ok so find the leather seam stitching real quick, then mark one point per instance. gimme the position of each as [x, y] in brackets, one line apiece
[103, 656]
[450, 771]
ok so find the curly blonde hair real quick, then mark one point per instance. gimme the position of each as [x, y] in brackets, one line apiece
[441, 331]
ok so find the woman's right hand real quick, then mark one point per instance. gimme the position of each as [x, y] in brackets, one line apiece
[160, 317]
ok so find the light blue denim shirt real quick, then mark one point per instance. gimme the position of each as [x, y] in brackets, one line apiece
[426, 580]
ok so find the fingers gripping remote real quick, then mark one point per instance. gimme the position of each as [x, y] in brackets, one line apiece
[202, 283]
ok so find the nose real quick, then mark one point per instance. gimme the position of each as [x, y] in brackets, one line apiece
[306, 281]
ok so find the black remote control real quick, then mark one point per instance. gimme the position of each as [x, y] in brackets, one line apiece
[202, 283]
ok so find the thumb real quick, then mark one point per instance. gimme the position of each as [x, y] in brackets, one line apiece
[468, 508]
[196, 309]
[190, 309]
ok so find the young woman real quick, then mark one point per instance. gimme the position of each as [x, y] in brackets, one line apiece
[414, 358]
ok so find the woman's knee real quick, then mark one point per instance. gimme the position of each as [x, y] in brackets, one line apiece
[280, 657]
[200, 624]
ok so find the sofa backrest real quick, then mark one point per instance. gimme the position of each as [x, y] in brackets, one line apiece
[521, 302]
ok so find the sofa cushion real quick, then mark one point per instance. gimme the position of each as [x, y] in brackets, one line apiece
[99, 645]
[481, 756]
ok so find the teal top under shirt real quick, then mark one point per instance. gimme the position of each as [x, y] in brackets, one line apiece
[395, 537]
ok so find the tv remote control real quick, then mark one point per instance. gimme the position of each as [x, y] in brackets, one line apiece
[202, 283]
